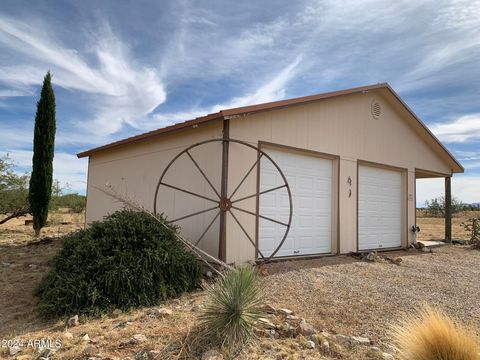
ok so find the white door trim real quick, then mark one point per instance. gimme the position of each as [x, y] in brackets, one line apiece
[333, 247]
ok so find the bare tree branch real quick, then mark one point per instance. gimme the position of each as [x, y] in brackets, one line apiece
[201, 254]
[16, 213]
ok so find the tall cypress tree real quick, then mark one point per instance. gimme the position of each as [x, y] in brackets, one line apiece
[40, 189]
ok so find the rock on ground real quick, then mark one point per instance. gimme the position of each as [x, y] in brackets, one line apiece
[138, 339]
[90, 350]
[305, 328]
[212, 355]
[23, 357]
[13, 350]
[285, 312]
[73, 321]
[265, 323]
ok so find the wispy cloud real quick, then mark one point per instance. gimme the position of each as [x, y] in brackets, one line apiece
[113, 67]
[472, 165]
[274, 89]
[123, 89]
[467, 155]
[463, 129]
[13, 93]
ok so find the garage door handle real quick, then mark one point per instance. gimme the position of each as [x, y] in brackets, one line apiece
[296, 251]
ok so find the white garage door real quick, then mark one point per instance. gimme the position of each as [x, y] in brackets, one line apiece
[379, 208]
[310, 180]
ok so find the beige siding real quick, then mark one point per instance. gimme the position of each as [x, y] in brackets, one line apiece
[343, 126]
[134, 171]
[348, 205]
[340, 126]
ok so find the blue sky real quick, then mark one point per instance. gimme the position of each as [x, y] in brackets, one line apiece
[122, 68]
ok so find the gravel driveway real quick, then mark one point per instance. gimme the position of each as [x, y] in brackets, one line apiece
[352, 297]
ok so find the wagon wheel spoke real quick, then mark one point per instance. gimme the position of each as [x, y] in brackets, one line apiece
[223, 202]
[208, 228]
[260, 216]
[193, 214]
[260, 193]
[246, 175]
[246, 234]
[188, 192]
[203, 174]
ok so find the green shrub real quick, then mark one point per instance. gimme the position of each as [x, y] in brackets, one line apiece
[233, 306]
[473, 227]
[127, 260]
[75, 202]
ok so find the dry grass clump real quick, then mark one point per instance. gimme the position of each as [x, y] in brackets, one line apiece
[432, 335]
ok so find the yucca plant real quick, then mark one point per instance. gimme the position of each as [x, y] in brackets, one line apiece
[432, 335]
[232, 308]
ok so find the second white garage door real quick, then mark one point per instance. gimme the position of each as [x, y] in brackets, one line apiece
[310, 180]
[379, 208]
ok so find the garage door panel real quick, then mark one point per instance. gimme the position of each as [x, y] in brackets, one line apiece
[305, 183]
[305, 203]
[310, 181]
[379, 208]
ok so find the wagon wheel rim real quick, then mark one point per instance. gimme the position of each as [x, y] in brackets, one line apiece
[226, 204]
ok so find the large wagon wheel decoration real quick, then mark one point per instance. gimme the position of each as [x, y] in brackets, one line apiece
[226, 203]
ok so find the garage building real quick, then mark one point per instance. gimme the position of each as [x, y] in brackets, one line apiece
[350, 159]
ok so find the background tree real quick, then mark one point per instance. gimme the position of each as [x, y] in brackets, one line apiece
[43, 150]
[13, 191]
[57, 189]
[436, 206]
[63, 198]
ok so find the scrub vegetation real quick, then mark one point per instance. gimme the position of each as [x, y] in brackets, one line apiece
[127, 260]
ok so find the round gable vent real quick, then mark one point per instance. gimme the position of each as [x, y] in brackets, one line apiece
[376, 109]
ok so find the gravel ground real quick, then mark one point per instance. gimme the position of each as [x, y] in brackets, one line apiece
[352, 297]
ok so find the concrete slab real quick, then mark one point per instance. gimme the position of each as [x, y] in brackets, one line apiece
[432, 243]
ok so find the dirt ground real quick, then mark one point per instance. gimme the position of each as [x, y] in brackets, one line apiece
[362, 298]
[23, 261]
[339, 294]
[16, 232]
[433, 228]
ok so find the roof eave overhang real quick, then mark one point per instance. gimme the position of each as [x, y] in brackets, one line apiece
[230, 114]
[245, 110]
[153, 134]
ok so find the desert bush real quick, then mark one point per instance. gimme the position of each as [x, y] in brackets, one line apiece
[75, 202]
[473, 227]
[13, 190]
[233, 306]
[127, 260]
[436, 207]
[431, 335]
